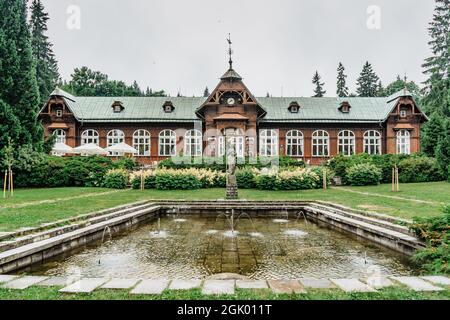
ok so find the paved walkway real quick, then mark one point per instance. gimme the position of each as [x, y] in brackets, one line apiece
[386, 196]
[224, 287]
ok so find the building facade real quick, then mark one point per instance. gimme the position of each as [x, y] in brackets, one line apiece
[311, 129]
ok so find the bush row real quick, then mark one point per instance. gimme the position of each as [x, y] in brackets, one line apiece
[219, 163]
[412, 168]
[48, 171]
[247, 178]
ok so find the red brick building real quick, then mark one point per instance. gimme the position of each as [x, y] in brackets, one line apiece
[312, 129]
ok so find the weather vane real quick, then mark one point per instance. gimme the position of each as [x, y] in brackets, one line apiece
[230, 50]
[405, 82]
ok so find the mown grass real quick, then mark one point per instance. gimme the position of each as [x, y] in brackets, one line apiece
[31, 215]
[393, 293]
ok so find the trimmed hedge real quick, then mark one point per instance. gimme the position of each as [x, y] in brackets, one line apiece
[116, 179]
[294, 179]
[219, 163]
[409, 166]
[363, 174]
[48, 171]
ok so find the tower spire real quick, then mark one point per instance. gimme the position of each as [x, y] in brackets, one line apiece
[230, 51]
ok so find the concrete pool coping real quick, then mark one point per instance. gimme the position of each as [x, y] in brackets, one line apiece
[43, 245]
[71, 285]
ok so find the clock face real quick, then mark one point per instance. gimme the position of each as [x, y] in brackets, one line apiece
[231, 101]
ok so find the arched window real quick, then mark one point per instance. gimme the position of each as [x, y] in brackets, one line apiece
[268, 143]
[321, 143]
[90, 136]
[372, 142]
[346, 143]
[141, 142]
[403, 142]
[115, 137]
[60, 136]
[167, 143]
[294, 143]
[193, 143]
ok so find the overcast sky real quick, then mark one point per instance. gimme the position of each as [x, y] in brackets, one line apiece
[181, 45]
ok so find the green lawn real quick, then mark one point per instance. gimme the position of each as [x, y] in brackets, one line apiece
[394, 293]
[26, 209]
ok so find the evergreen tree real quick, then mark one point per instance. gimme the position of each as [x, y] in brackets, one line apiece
[9, 126]
[431, 133]
[318, 90]
[46, 65]
[342, 89]
[206, 92]
[437, 67]
[268, 95]
[367, 83]
[443, 149]
[18, 83]
[399, 84]
[381, 92]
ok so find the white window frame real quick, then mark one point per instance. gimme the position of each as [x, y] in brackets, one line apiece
[60, 136]
[193, 143]
[90, 136]
[167, 143]
[295, 142]
[346, 143]
[142, 143]
[268, 143]
[403, 142]
[320, 143]
[372, 142]
[221, 146]
[59, 113]
[114, 137]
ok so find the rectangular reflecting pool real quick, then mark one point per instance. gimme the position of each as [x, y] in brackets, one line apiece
[190, 247]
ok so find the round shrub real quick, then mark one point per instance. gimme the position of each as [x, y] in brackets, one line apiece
[364, 174]
[419, 169]
[116, 179]
[246, 178]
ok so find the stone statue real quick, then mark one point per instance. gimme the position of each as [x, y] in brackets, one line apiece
[232, 188]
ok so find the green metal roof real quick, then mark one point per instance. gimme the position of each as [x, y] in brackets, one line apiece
[150, 109]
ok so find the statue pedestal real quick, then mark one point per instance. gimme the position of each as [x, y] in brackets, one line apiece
[232, 188]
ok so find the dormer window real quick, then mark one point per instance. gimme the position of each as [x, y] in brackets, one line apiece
[59, 113]
[345, 107]
[118, 107]
[168, 107]
[294, 107]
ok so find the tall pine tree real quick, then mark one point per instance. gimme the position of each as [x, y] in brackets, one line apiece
[437, 67]
[46, 65]
[18, 84]
[431, 133]
[367, 83]
[206, 92]
[342, 89]
[443, 149]
[318, 90]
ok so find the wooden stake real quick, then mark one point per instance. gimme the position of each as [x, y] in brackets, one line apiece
[393, 179]
[142, 180]
[324, 179]
[12, 183]
[398, 180]
[4, 184]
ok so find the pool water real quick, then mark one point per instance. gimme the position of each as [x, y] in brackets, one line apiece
[195, 247]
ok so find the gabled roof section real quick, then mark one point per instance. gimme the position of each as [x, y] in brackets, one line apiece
[399, 94]
[63, 94]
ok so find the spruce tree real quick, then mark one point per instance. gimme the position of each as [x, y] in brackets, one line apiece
[318, 90]
[206, 93]
[443, 149]
[438, 65]
[431, 133]
[342, 89]
[9, 125]
[18, 84]
[367, 83]
[46, 65]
